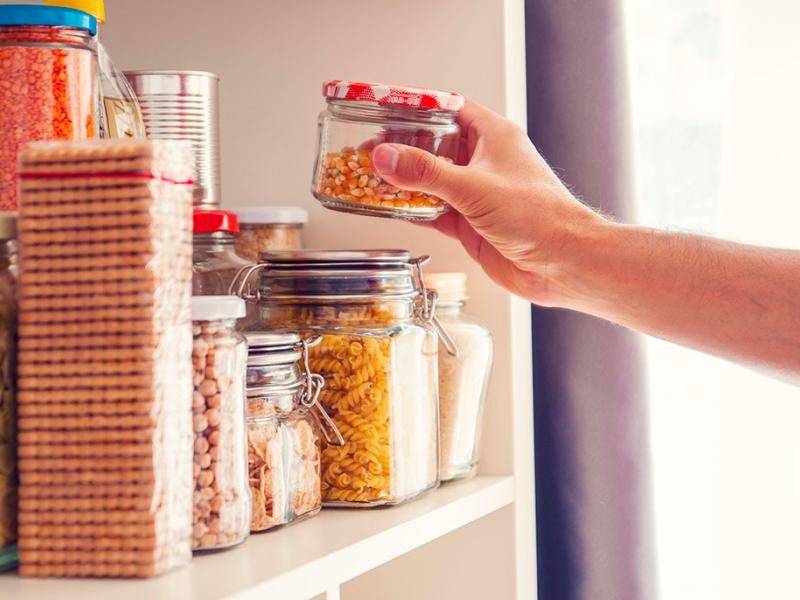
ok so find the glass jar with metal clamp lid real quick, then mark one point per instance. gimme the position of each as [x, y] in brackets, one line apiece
[378, 356]
[284, 423]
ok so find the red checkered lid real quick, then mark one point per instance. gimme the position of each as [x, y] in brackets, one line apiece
[396, 95]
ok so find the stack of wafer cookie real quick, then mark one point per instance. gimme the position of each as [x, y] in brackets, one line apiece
[105, 434]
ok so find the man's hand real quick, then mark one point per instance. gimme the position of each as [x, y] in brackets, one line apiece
[512, 213]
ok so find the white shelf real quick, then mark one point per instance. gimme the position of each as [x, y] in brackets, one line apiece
[297, 562]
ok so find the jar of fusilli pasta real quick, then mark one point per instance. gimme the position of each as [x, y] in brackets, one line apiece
[378, 357]
[284, 425]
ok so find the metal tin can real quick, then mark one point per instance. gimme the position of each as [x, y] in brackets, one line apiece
[184, 105]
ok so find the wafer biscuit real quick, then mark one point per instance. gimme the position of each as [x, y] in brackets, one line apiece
[133, 164]
[39, 201]
[87, 436]
[83, 504]
[99, 341]
[137, 313]
[44, 357]
[34, 382]
[139, 491]
[85, 477]
[49, 406]
[115, 260]
[84, 544]
[132, 468]
[98, 455]
[51, 152]
[86, 570]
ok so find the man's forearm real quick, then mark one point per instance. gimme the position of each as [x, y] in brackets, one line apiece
[737, 301]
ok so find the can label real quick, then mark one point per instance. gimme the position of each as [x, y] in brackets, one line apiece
[123, 120]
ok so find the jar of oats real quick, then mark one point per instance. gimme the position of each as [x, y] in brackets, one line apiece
[284, 425]
[463, 378]
[267, 228]
[359, 116]
[219, 356]
[378, 357]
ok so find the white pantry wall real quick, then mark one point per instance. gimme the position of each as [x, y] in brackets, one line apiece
[272, 58]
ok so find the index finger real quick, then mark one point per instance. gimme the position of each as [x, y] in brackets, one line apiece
[476, 117]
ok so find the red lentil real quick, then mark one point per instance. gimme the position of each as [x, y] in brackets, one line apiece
[46, 93]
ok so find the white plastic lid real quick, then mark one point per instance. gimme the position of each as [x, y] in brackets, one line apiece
[452, 287]
[214, 308]
[279, 215]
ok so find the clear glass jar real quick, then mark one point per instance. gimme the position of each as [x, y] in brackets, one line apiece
[283, 423]
[463, 378]
[268, 228]
[214, 258]
[222, 506]
[359, 116]
[378, 357]
[47, 58]
[8, 327]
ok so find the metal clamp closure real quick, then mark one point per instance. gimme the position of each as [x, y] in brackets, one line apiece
[240, 283]
[429, 299]
[314, 384]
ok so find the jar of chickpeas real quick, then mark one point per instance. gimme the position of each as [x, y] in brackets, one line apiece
[359, 116]
[378, 357]
[219, 354]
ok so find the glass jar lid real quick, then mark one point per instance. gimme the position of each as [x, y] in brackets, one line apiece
[49, 16]
[393, 95]
[339, 274]
[215, 308]
[272, 215]
[267, 348]
[451, 287]
[214, 221]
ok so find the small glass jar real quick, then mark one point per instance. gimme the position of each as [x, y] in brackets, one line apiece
[8, 326]
[283, 423]
[214, 258]
[463, 378]
[378, 356]
[360, 116]
[268, 228]
[48, 91]
[222, 507]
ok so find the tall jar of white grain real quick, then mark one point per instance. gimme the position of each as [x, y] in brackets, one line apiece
[463, 378]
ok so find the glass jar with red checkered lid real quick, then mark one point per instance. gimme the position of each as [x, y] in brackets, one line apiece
[359, 116]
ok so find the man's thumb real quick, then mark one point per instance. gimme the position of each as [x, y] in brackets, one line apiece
[413, 169]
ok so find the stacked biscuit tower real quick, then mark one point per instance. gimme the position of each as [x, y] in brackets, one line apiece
[105, 434]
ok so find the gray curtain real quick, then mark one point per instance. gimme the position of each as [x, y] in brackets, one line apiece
[594, 525]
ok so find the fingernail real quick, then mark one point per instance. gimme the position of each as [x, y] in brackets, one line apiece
[385, 158]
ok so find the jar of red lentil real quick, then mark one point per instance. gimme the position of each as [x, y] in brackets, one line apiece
[359, 116]
[47, 82]
[268, 228]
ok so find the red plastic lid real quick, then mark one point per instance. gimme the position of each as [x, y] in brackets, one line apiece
[211, 221]
[397, 95]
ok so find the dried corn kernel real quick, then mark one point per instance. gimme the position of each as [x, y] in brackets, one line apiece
[348, 176]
